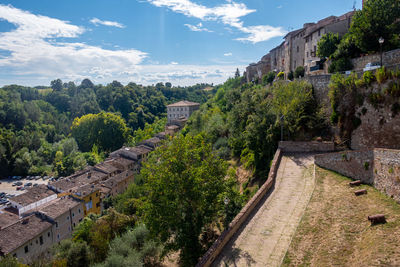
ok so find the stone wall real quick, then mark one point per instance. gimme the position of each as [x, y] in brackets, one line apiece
[320, 85]
[355, 164]
[387, 172]
[378, 167]
[378, 128]
[291, 146]
[389, 58]
[234, 226]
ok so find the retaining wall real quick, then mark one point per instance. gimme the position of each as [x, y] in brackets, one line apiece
[378, 167]
[355, 164]
[234, 226]
[314, 146]
[387, 172]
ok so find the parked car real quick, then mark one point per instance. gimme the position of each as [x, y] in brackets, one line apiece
[18, 183]
[372, 66]
[28, 184]
[19, 188]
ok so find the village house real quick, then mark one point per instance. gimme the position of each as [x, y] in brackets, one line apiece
[27, 238]
[32, 199]
[65, 214]
[181, 110]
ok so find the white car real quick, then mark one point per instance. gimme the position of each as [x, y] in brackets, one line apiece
[372, 66]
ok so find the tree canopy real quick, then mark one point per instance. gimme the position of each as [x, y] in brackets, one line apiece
[184, 184]
[107, 131]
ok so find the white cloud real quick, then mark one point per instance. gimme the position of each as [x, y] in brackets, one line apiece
[35, 49]
[228, 54]
[197, 28]
[97, 22]
[229, 14]
[280, 6]
[33, 54]
[174, 63]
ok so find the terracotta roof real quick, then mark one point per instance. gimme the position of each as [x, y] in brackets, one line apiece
[59, 206]
[122, 162]
[86, 190]
[183, 103]
[33, 195]
[7, 218]
[114, 181]
[24, 230]
[106, 167]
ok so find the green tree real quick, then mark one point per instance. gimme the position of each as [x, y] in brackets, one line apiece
[299, 72]
[327, 45]
[185, 182]
[378, 18]
[268, 78]
[77, 254]
[107, 131]
[56, 85]
[237, 73]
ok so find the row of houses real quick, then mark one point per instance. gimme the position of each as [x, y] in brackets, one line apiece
[46, 214]
[299, 48]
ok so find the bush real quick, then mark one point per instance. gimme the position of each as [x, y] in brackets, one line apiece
[299, 72]
[339, 65]
[281, 75]
[381, 75]
[368, 77]
[268, 78]
[291, 76]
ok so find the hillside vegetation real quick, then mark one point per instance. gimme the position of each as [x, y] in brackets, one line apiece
[35, 123]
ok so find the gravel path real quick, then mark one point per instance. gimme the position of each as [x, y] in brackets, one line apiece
[265, 237]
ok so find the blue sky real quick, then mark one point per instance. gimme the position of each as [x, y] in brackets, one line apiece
[145, 41]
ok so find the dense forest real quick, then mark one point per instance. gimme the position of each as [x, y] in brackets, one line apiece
[36, 133]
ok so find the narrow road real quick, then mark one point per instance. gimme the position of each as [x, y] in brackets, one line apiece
[266, 235]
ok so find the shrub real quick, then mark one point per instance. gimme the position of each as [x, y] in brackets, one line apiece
[268, 78]
[299, 72]
[395, 109]
[381, 75]
[366, 165]
[368, 77]
[390, 170]
[291, 76]
[281, 75]
[339, 65]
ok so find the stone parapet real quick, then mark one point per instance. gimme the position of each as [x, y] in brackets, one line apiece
[306, 146]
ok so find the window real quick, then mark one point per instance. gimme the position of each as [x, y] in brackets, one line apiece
[15, 255]
[48, 234]
[56, 224]
[79, 211]
[98, 204]
[67, 218]
[307, 53]
[90, 198]
[80, 219]
[69, 228]
[58, 236]
[97, 194]
[41, 240]
[73, 214]
[26, 249]
[306, 39]
[298, 49]
[74, 225]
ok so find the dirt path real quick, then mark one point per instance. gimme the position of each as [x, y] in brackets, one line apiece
[264, 238]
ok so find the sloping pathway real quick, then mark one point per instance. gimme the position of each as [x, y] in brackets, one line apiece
[265, 237]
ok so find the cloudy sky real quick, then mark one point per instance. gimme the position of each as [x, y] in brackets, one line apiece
[145, 41]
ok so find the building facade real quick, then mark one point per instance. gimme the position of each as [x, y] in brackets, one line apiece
[181, 110]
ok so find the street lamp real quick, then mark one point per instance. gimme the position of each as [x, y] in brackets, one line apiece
[381, 40]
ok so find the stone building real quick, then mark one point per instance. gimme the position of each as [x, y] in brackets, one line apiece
[315, 32]
[181, 110]
[32, 199]
[26, 238]
[255, 71]
[65, 214]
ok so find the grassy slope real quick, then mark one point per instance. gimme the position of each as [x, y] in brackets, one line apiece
[335, 231]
